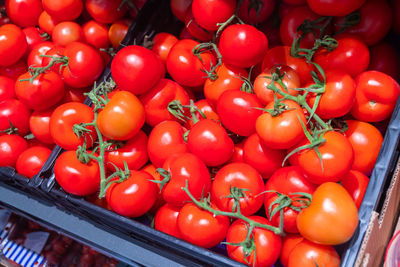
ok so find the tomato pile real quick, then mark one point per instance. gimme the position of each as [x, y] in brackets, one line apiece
[257, 127]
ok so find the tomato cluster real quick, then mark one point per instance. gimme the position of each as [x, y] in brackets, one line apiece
[240, 130]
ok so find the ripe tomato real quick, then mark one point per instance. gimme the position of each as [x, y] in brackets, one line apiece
[162, 44]
[208, 110]
[67, 32]
[122, 117]
[200, 227]
[136, 69]
[11, 146]
[15, 70]
[208, 13]
[106, 11]
[134, 196]
[33, 36]
[117, 32]
[266, 245]
[355, 183]
[166, 218]
[385, 58]
[156, 101]
[193, 28]
[63, 10]
[43, 92]
[54, 51]
[39, 125]
[76, 177]
[309, 254]
[24, 13]
[12, 44]
[34, 57]
[335, 8]
[238, 153]
[6, 88]
[242, 45]
[341, 214]
[31, 160]
[232, 178]
[184, 67]
[265, 160]
[133, 153]
[46, 22]
[63, 119]
[13, 111]
[179, 8]
[256, 13]
[210, 142]
[366, 141]
[376, 96]
[288, 244]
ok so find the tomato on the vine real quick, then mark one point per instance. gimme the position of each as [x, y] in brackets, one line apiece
[256, 12]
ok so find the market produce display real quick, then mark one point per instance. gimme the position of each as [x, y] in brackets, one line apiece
[255, 129]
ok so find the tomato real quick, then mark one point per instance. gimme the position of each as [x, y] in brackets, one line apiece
[336, 159]
[265, 160]
[385, 58]
[63, 10]
[331, 205]
[12, 44]
[366, 141]
[256, 13]
[75, 177]
[280, 55]
[24, 13]
[106, 11]
[179, 8]
[11, 146]
[184, 67]
[134, 196]
[185, 168]
[196, 32]
[351, 56]
[208, 110]
[238, 153]
[136, 69]
[15, 70]
[228, 78]
[355, 183]
[31, 160]
[376, 96]
[67, 32]
[309, 254]
[33, 36]
[200, 227]
[43, 92]
[53, 52]
[46, 22]
[117, 32]
[156, 101]
[34, 57]
[209, 141]
[75, 94]
[340, 89]
[6, 88]
[133, 153]
[335, 7]
[162, 44]
[242, 45]
[242, 179]
[266, 245]
[122, 117]
[208, 13]
[375, 21]
[288, 244]
[150, 168]
[64, 117]
[39, 125]
[166, 218]
[288, 181]
[13, 111]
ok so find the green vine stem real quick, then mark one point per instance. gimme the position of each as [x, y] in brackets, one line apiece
[177, 110]
[206, 47]
[36, 71]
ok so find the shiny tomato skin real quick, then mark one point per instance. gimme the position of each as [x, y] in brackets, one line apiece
[6, 88]
[166, 218]
[136, 69]
[335, 7]
[12, 44]
[355, 183]
[39, 125]
[11, 146]
[163, 43]
[13, 111]
[134, 196]
[46, 22]
[24, 13]
[33, 37]
[208, 110]
[76, 177]
[106, 11]
[209, 141]
[63, 10]
[200, 227]
[289, 242]
[308, 254]
[117, 32]
[31, 160]
[122, 117]
[208, 13]
[67, 32]
[34, 59]
[195, 31]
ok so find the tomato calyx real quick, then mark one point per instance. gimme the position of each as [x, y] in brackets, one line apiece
[351, 20]
[177, 110]
[248, 245]
[166, 177]
[295, 201]
[36, 71]
[206, 47]
[10, 130]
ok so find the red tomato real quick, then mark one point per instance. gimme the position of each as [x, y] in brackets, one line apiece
[15, 70]
[34, 57]
[184, 67]
[63, 119]
[366, 141]
[6, 88]
[238, 111]
[133, 153]
[208, 110]
[165, 139]
[238, 153]
[385, 58]
[46, 22]
[266, 245]
[165, 220]
[334, 7]
[56, 52]
[376, 96]
[242, 45]
[208, 13]
[31, 160]
[210, 142]
[75, 94]
[309, 254]
[201, 227]
[117, 32]
[256, 13]
[179, 8]
[96, 34]
[329, 224]
[33, 36]
[12, 44]
[157, 100]
[13, 111]
[67, 32]
[24, 13]
[136, 69]
[134, 196]
[39, 124]
[63, 10]
[122, 117]
[11, 146]
[234, 177]
[76, 177]
[355, 183]
[106, 11]
[162, 44]
[196, 32]
[289, 243]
